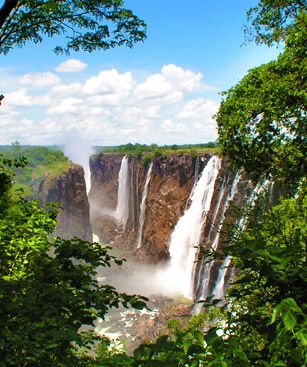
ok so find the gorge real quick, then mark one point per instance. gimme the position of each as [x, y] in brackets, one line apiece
[166, 213]
[157, 211]
[178, 205]
[169, 215]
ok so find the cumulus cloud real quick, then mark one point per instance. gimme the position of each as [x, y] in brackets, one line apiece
[171, 83]
[109, 81]
[112, 107]
[39, 80]
[196, 108]
[66, 105]
[66, 90]
[18, 98]
[71, 66]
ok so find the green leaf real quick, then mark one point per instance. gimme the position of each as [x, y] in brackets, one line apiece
[289, 320]
[186, 345]
[302, 337]
[280, 363]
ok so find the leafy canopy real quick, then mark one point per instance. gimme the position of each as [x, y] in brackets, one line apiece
[272, 20]
[262, 120]
[48, 287]
[88, 25]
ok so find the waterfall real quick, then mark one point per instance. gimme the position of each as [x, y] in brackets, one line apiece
[188, 229]
[219, 289]
[202, 290]
[143, 207]
[78, 150]
[95, 238]
[122, 209]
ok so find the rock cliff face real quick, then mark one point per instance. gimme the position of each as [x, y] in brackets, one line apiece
[69, 190]
[103, 198]
[172, 179]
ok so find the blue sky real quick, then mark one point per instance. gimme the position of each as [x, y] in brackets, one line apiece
[163, 91]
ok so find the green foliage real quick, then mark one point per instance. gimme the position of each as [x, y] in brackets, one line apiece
[139, 149]
[42, 162]
[291, 327]
[6, 167]
[146, 161]
[271, 255]
[262, 120]
[272, 20]
[48, 288]
[88, 25]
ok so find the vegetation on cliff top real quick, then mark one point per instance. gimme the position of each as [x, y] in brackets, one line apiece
[42, 162]
[149, 152]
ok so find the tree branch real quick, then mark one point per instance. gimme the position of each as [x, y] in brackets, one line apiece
[6, 9]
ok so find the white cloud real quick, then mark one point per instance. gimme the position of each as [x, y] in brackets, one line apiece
[170, 84]
[198, 108]
[66, 105]
[112, 108]
[109, 81]
[71, 66]
[19, 98]
[65, 90]
[39, 80]
[184, 80]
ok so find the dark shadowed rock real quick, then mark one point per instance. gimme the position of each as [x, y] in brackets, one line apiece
[69, 190]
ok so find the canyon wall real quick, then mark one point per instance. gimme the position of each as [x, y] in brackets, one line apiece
[171, 183]
[69, 190]
[103, 198]
[172, 179]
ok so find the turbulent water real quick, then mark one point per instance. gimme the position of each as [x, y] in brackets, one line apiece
[143, 207]
[122, 209]
[187, 232]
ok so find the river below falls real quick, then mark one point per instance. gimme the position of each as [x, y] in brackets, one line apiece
[128, 328]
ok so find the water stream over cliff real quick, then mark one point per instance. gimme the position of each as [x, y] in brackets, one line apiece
[143, 207]
[122, 209]
[203, 276]
[187, 232]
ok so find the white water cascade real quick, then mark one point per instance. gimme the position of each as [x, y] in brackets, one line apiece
[219, 289]
[79, 150]
[143, 207]
[188, 229]
[204, 279]
[95, 238]
[122, 209]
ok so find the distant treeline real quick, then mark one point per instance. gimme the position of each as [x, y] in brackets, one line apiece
[138, 149]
